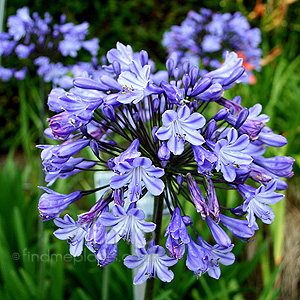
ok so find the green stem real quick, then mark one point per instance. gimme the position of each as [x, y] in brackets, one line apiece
[158, 213]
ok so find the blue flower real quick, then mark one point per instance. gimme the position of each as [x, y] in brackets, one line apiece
[230, 155]
[96, 234]
[197, 258]
[71, 231]
[135, 170]
[229, 72]
[177, 235]
[88, 217]
[136, 83]
[123, 55]
[150, 263]
[257, 201]
[218, 233]
[62, 126]
[53, 203]
[239, 228]
[219, 255]
[197, 197]
[179, 127]
[129, 225]
[106, 254]
[79, 110]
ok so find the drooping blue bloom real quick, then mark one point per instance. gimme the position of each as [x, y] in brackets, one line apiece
[205, 159]
[179, 127]
[197, 197]
[102, 203]
[219, 255]
[53, 203]
[96, 234]
[280, 166]
[151, 263]
[106, 254]
[71, 167]
[177, 235]
[135, 170]
[229, 72]
[62, 126]
[78, 109]
[71, 231]
[197, 258]
[239, 228]
[218, 233]
[129, 225]
[56, 158]
[257, 202]
[230, 154]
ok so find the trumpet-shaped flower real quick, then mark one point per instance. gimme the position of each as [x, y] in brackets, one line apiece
[150, 263]
[179, 127]
[71, 231]
[136, 84]
[230, 155]
[130, 225]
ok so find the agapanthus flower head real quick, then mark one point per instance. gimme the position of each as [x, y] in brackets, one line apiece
[157, 136]
[205, 37]
[35, 37]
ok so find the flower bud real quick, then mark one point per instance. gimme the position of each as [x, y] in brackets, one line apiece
[110, 82]
[170, 66]
[135, 117]
[156, 104]
[195, 104]
[89, 84]
[95, 62]
[94, 147]
[219, 235]
[202, 85]
[221, 114]
[176, 74]
[143, 55]
[242, 117]
[210, 128]
[194, 73]
[109, 111]
[186, 79]
[117, 67]
[154, 129]
[180, 180]
[164, 152]
[186, 67]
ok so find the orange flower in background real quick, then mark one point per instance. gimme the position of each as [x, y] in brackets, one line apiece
[248, 67]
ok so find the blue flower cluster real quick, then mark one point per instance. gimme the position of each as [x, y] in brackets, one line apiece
[156, 135]
[37, 39]
[206, 36]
